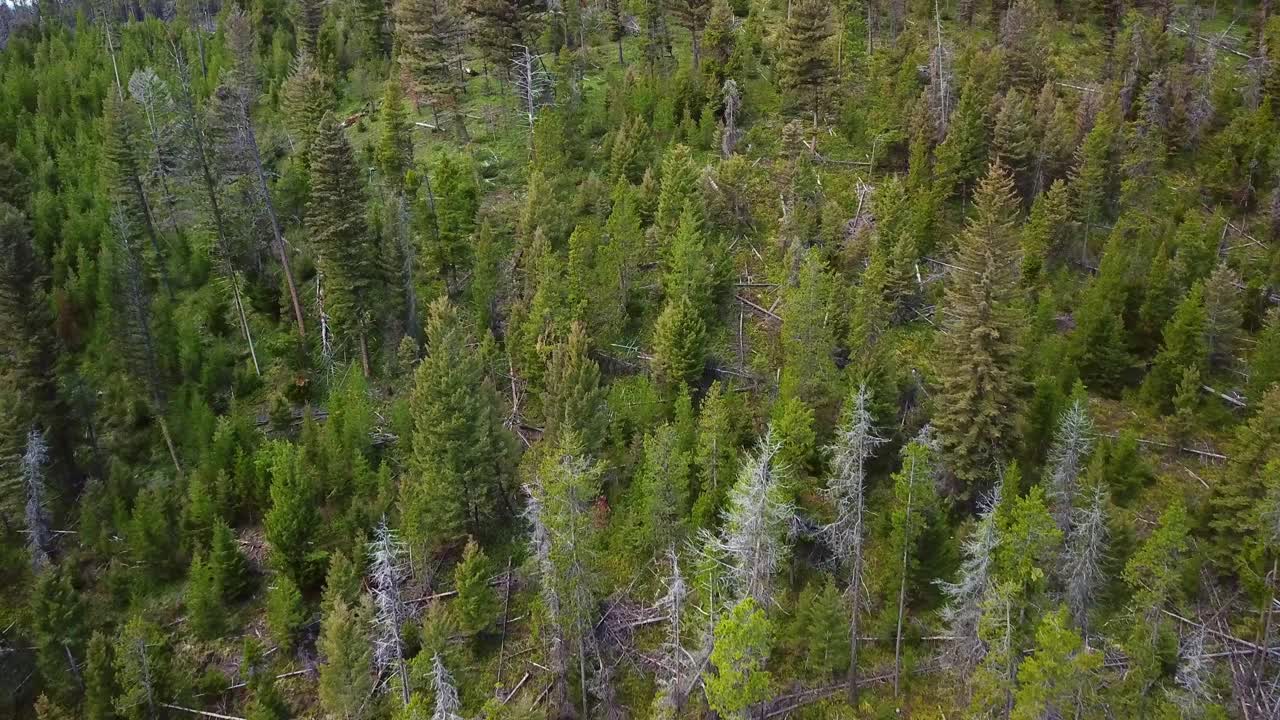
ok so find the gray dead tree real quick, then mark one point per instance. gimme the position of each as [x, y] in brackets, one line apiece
[386, 572]
[141, 353]
[757, 524]
[1072, 442]
[39, 536]
[1086, 551]
[447, 704]
[533, 83]
[966, 597]
[732, 106]
[238, 96]
[192, 124]
[856, 441]
[677, 665]
[151, 93]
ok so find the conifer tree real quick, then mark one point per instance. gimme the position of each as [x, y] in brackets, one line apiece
[228, 563]
[394, 153]
[1086, 555]
[308, 17]
[344, 581]
[204, 600]
[656, 44]
[1185, 345]
[1223, 315]
[477, 602]
[693, 14]
[754, 536]
[679, 344]
[455, 206]
[1045, 231]
[743, 641]
[809, 339]
[498, 26]
[429, 36]
[39, 535]
[819, 621]
[1264, 362]
[678, 189]
[574, 399]
[292, 523]
[387, 576]
[1068, 456]
[349, 257]
[691, 261]
[142, 657]
[99, 679]
[806, 59]
[123, 177]
[1058, 677]
[913, 500]
[460, 451]
[856, 441]
[664, 482]
[285, 610]
[978, 401]
[265, 701]
[967, 596]
[59, 630]
[345, 677]
[716, 454]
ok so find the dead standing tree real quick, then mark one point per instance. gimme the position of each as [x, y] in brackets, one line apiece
[533, 83]
[386, 571]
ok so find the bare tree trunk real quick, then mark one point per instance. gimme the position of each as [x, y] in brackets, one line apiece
[902, 586]
[278, 236]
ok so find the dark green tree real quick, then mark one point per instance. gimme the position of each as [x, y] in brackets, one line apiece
[806, 58]
[60, 630]
[477, 603]
[977, 406]
[574, 400]
[429, 35]
[679, 344]
[1185, 345]
[394, 153]
[205, 612]
[99, 679]
[346, 678]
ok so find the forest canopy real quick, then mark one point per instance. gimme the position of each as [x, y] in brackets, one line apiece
[749, 359]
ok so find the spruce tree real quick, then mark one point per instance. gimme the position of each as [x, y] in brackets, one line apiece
[806, 59]
[663, 479]
[460, 451]
[292, 523]
[809, 342]
[477, 604]
[228, 563]
[978, 400]
[286, 612]
[1185, 345]
[693, 15]
[59, 629]
[716, 454]
[142, 670]
[349, 259]
[205, 612]
[574, 399]
[346, 678]
[743, 641]
[122, 174]
[1058, 678]
[305, 98]
[1264, 361]
[679, 344]
[1223, 315]
[429, 36]
[394, 152]
[99, 679]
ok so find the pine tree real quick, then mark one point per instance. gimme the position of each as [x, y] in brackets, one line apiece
[809, 342]
[123, 177]
[678, 189]
[819, 620]
[1185, 345]
[142, 670]
[344, 581]
[1012, 142]
[228, 563]
[574, 400]
[292, 523]
[59, 629]
[1068, 456]
[663, 479]
[716, 455]
[460, 453]
[1045, 232]
[477, 603]
[264, 699]
[394, 152]
[1264, 362]
[498, 26]
[429, 36]
[1223, 315]
[348, 254]
[693, 15]
[285, 610]
[305, 98]
[913, 501]
[806, 59]
[1058, 677]
[656, 44]
[308, 17]
[978, 401]
[743, 640]
[204, 600]
[456, 202]
[679, 344]
[754, 535]
[691, 261]
[99, 679]
[346, 679]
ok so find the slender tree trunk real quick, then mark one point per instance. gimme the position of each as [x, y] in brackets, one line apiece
[697, 50]
[168, 441]
[621, 60]
[902, 586]
[277, 235]
[855, 605]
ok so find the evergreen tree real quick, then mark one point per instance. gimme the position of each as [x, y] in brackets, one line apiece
[285, 610]
[716, 455]
[477, 602]
[353, 277]
[693, 15]
[1264, 362]
[204, 600]
[679, 189]
[1223, 315]
[142, 670]
[99, 679]
[806, 59]
[429, 36]
[292, 523]
[227, 563]
[454, 210]
[754, 535]
[264, 701]
[819, 628]
[460, 452]
[663, 480]
[1185, 345]
[743, 640]
[122, 176]
[809, 339]
[691, 260]
[1057, 679]
[59, 630]
[679, 344]
[344, 581]
[394, 152]
[346, 680]
[574, 399]
[978, 401]
[913, 495]
[305, 98]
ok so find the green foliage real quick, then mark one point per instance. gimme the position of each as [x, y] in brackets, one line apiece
[679, 345]
[59, 628]
[205, 611]
[743, 641]
[821, 629]
[1185, 346]
[292, 523]
[99, 679]
[477, 603]
[286, 611]
[574, 399]
[1057, 677]
[345, 677]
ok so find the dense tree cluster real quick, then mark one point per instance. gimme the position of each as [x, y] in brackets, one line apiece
[741, 358]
